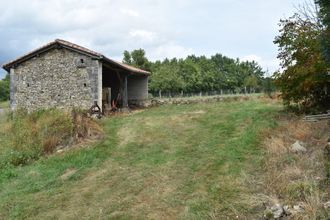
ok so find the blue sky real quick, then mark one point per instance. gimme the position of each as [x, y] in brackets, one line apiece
[164, 28]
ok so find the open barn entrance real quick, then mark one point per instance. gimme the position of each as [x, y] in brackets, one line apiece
[121, 86]
[111, 88]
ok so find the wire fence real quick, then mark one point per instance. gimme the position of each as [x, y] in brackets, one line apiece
[182, 94]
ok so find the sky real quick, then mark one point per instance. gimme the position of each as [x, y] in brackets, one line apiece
[163, 28]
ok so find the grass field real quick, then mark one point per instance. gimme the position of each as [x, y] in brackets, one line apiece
[169, 162]
[4, 104]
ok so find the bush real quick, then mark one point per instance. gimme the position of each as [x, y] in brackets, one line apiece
[4, 88]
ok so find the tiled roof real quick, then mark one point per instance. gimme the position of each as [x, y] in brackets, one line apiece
[75, 47]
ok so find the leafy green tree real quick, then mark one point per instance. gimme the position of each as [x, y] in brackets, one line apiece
[127, 58]
[4, 88]
[251, 82]
[304, 80]
[269, 86]
[166, 79]
[325, 36]
[197, 73]
[137, 58]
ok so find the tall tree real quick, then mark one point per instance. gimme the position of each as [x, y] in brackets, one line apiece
[127, 57]
[325, 36]
[4, 88]
[303, 80]
[137, 58]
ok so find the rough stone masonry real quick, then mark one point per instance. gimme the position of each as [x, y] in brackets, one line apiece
[58, 78]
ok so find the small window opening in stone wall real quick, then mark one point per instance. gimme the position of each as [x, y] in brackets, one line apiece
[28, 84]
[82, 61]
[85, 84]
[41, 91]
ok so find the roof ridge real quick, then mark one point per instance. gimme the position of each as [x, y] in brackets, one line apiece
[72, 46]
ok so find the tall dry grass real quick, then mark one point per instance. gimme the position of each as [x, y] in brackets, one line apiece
[25, 137]
[298, 178]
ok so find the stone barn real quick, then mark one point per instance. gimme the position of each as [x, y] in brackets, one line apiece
[65, 75]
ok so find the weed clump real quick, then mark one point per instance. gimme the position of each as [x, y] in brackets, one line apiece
[28, 136]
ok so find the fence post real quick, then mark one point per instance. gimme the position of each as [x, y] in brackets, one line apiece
[160, 94]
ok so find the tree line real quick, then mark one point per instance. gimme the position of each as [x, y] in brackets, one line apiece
[201, 74]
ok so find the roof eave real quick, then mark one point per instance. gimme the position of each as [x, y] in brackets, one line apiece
[9, 65]
[141, 72]
[73, 47]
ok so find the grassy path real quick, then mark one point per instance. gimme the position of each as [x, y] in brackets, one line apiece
[170, 162]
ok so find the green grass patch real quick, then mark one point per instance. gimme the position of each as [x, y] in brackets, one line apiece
[4, 104]
[178, 161]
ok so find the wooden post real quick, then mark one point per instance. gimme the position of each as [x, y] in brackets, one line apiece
[99, 86]
[109, 96]
[125, 98]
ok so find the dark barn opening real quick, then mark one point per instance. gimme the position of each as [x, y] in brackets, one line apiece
[111, 88]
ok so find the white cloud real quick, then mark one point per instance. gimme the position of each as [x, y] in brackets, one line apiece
[270, 65]
[112, 26]
[170, 50]
[130, 12]
[143, 35]
[252, 57]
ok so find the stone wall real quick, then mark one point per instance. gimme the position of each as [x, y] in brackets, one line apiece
[58, 78]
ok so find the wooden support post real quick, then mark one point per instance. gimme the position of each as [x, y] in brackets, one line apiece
[125, 98]
[99, 86]
[109, 96]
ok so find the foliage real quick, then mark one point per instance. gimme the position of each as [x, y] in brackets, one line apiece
[137, 58]
[269, 86]
[196, 74]
[325, 36]
[304, 80]
[4, 88]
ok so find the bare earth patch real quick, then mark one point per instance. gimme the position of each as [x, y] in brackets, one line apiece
[68, 173]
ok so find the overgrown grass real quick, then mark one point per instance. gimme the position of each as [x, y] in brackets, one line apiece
[4, 104]
[169, 162]
[26, 137]
[290, 178]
